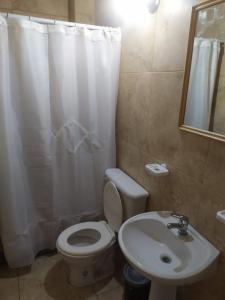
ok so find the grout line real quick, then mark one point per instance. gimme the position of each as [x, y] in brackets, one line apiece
[205, 165]
[18, 283]
[109, 289]
[106, 292]
[156, 21]
[96, 295]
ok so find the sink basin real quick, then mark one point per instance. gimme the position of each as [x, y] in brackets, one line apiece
[164, 256]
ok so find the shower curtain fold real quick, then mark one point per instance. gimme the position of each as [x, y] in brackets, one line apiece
[58, 91]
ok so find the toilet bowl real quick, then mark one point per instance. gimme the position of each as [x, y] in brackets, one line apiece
[88, 248]
[84, 247]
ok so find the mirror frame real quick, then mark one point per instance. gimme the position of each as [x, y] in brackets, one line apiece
[192, 33]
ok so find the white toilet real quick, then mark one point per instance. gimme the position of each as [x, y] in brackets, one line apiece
[88, 248]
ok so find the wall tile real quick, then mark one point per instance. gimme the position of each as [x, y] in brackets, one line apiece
[191, 155]
[85, 11]
[215, 171]
[133, 107]
[137, 46]
[163, 134]
[87, 6]
[42, 8]
[171, 35]
[84, 18]
[6, 4]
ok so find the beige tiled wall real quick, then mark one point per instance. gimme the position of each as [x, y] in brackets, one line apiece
[152, 67]
[83, 10]
[43, 8]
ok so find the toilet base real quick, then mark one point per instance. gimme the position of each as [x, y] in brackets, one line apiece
[84, 271]
[87, 277]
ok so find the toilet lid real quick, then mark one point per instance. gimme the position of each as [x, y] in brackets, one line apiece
[113, 209]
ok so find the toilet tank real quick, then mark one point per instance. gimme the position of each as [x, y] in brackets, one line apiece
[133, 196]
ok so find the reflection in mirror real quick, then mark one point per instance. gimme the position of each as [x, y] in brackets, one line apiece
[205, 97]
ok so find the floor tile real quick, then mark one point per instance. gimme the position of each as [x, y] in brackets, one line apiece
[84, 293]
[93, 297]
[8, 283]
[47, 280]
[106, 285]
[114, 294]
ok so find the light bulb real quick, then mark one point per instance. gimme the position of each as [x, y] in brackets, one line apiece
[135, 10]
[153, 5]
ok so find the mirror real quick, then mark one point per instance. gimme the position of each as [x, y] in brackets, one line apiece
[203, 99]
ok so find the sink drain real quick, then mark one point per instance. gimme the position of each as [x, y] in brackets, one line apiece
[166, 259]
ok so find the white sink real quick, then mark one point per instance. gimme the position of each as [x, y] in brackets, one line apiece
[164, 256]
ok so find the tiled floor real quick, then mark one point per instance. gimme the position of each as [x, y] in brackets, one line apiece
[46, 280]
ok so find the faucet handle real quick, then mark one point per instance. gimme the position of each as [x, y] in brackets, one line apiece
[182, 225]
[180, 217]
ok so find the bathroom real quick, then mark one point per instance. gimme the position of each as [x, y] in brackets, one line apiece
[147, 122]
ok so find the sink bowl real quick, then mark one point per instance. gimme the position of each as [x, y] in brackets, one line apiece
[164, 256]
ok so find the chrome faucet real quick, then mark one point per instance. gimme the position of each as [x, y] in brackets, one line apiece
[182, 225]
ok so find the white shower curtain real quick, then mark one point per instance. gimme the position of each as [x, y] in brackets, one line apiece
[58, 91]
[202, 82]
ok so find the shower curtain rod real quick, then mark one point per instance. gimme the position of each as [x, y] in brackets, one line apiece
[57, 22]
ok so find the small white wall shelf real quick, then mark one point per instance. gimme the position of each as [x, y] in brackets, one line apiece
[157, 169]
[221, 216]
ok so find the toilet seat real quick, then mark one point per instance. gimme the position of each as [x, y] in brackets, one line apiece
[87, 239]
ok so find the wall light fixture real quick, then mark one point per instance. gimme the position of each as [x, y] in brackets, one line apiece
[135, 10]
[153, 5]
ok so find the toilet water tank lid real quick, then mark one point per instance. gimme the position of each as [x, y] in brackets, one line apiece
[125, 184]
[113, 209]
